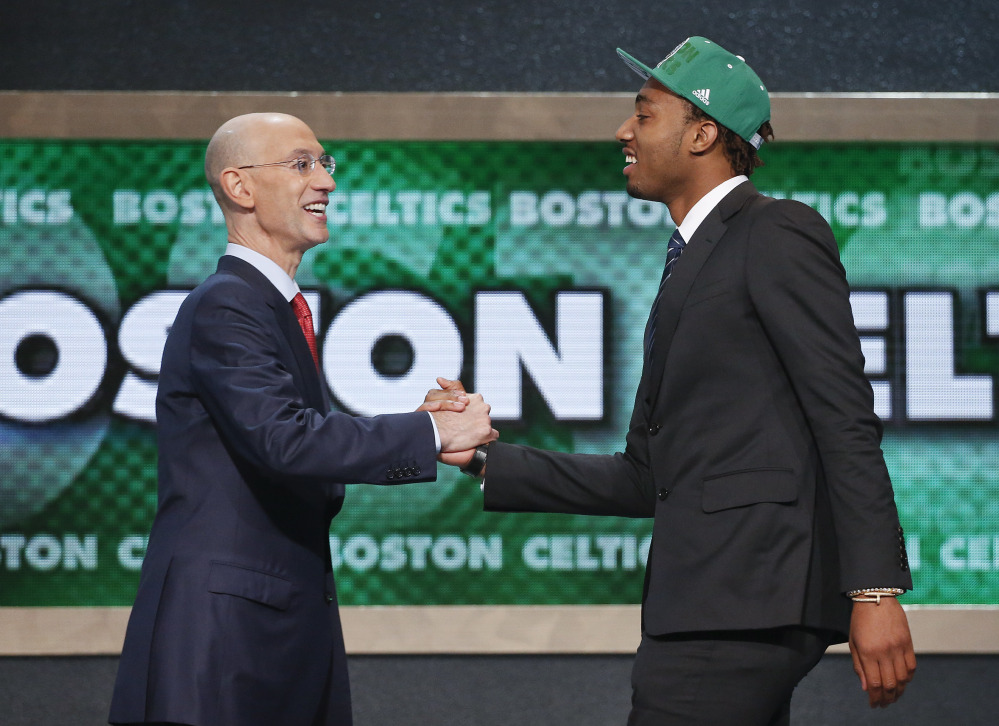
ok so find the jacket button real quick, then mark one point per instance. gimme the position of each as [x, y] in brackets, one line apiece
[654, 429]
[416, 471]
[329, 597]
[663, 493]
[389, 475]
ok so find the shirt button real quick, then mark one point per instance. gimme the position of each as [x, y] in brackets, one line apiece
[663, 493]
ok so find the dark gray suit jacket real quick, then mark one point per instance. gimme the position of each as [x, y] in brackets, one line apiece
[753, 441]
[235, 622]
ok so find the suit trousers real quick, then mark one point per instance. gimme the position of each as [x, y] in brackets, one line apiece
[722, 678]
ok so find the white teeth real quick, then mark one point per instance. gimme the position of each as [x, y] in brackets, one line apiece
[317, 207]
[630, 159]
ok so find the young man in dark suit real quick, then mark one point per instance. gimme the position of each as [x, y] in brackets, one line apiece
[235, 622]
[753, 443]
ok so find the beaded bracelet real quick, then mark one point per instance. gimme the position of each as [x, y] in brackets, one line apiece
[874, 594]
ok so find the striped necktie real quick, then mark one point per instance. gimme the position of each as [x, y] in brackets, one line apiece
[673, 250]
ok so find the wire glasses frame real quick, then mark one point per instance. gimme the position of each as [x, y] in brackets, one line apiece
[304, 164]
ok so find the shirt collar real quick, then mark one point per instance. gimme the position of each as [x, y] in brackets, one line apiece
[267, 267]
[705, 204]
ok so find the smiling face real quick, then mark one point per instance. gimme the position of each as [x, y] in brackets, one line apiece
[289, 207]
[655, 140]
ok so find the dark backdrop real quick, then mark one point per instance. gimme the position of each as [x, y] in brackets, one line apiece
[522, 691]
[516, 45]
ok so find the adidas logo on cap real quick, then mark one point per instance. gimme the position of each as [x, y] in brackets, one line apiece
[703, 95]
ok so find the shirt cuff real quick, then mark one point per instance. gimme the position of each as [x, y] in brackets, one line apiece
[437, 436]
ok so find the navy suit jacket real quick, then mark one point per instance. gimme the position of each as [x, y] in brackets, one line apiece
[753, 442]
[235, 621]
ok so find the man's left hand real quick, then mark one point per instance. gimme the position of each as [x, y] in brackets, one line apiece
[444, 400]
[881, 646]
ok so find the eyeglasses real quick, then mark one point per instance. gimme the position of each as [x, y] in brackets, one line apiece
[304, 164]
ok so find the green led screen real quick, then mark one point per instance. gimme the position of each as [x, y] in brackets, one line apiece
[522, 267]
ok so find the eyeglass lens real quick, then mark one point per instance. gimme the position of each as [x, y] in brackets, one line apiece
[307, 162]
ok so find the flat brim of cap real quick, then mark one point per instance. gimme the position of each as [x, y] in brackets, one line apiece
[636, 65]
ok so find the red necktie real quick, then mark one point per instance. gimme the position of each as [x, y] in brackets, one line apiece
[304, 316]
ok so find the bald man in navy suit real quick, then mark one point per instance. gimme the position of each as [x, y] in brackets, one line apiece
[235, 622]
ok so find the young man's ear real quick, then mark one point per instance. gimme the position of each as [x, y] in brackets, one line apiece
[234, 186]
[706, 134]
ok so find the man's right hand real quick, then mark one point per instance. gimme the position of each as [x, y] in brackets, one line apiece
[463, 431]
[449, 393]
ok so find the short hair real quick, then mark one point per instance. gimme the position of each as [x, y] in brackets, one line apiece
[742, 156]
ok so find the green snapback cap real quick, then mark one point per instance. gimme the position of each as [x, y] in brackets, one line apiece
[714, 80]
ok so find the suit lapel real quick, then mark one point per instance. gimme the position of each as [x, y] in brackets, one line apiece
[313, 392]
[680, 283]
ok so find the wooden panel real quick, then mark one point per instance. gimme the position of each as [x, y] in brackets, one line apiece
[466, 630]
[498, 116]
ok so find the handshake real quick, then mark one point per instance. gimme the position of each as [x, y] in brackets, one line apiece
[462, 421]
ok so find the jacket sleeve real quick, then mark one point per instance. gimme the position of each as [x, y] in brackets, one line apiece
[799, 289]
[237, 370]
[523, 479]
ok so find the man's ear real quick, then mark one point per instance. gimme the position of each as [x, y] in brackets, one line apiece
[705, 136]
[235, 187]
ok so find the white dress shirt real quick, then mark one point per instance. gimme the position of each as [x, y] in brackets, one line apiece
[705, 204]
